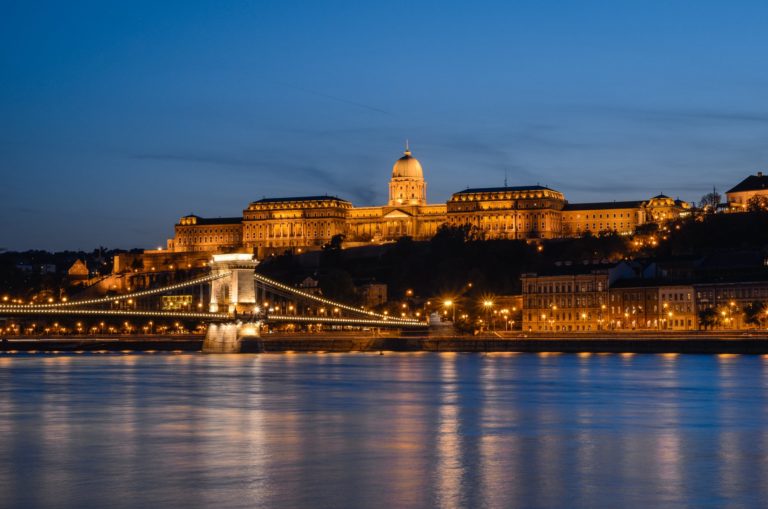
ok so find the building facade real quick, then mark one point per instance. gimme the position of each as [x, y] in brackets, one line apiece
[511, 212]
[622, 217]
[634, 305]
[571, 298]
[752, 186]
[729, 300]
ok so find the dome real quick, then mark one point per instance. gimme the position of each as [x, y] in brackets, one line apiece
[407, 166]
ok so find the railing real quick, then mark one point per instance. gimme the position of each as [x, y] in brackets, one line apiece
[113, 312]
[391, 322]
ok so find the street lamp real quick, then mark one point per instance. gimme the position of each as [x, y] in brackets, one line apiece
[448, 303]
[552, 309]
[730, 311]
[488, 304]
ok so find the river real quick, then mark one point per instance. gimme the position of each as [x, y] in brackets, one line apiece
[363, 430]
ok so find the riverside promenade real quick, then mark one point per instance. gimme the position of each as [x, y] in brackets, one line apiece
[728, 342]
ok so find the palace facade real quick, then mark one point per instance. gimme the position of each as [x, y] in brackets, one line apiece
[307, 222]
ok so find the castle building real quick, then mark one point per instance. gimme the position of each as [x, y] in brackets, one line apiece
[301, 223]
[619, 216]
[509, 212]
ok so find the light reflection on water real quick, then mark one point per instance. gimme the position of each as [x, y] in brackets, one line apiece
[392, 431]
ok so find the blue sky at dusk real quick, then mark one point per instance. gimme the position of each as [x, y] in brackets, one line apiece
[116, 118]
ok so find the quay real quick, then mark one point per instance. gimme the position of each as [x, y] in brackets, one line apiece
[755, 343]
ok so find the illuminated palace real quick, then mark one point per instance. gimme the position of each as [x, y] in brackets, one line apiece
[307, 222]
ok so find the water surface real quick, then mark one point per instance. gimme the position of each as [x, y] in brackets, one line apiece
[392, 431]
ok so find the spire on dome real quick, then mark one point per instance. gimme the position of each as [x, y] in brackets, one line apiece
[407, 165]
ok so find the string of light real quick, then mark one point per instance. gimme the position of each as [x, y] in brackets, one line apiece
[345, 321]
[327, 302]
[64, 308]
[117, 298]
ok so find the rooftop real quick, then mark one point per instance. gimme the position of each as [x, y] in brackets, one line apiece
[504, 189]
[573, 269]
[216, 220]
[603, 205]
[299, 198]
[752, 183]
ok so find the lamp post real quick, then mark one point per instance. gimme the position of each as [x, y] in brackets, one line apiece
[552, 309]
[601, 318]
[730, 312]
[448, 304]
[488, 304]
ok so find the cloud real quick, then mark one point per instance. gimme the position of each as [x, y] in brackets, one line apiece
[682, 115]
[279, 170]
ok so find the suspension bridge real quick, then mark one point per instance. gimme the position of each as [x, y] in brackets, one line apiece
[234, 300]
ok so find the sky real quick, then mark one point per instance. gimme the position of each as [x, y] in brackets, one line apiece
[117, 118]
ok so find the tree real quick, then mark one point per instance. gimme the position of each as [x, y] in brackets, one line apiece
[710, 201]
[758, 203]
[753, 313]
[450, 234]
[335, 243]
[647, 229]
[332, 255]
[337, 285]
[708, 318]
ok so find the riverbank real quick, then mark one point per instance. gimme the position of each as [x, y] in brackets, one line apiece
[707, 343]
[81, 344]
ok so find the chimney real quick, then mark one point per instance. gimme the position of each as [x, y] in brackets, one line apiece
[759, 173]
